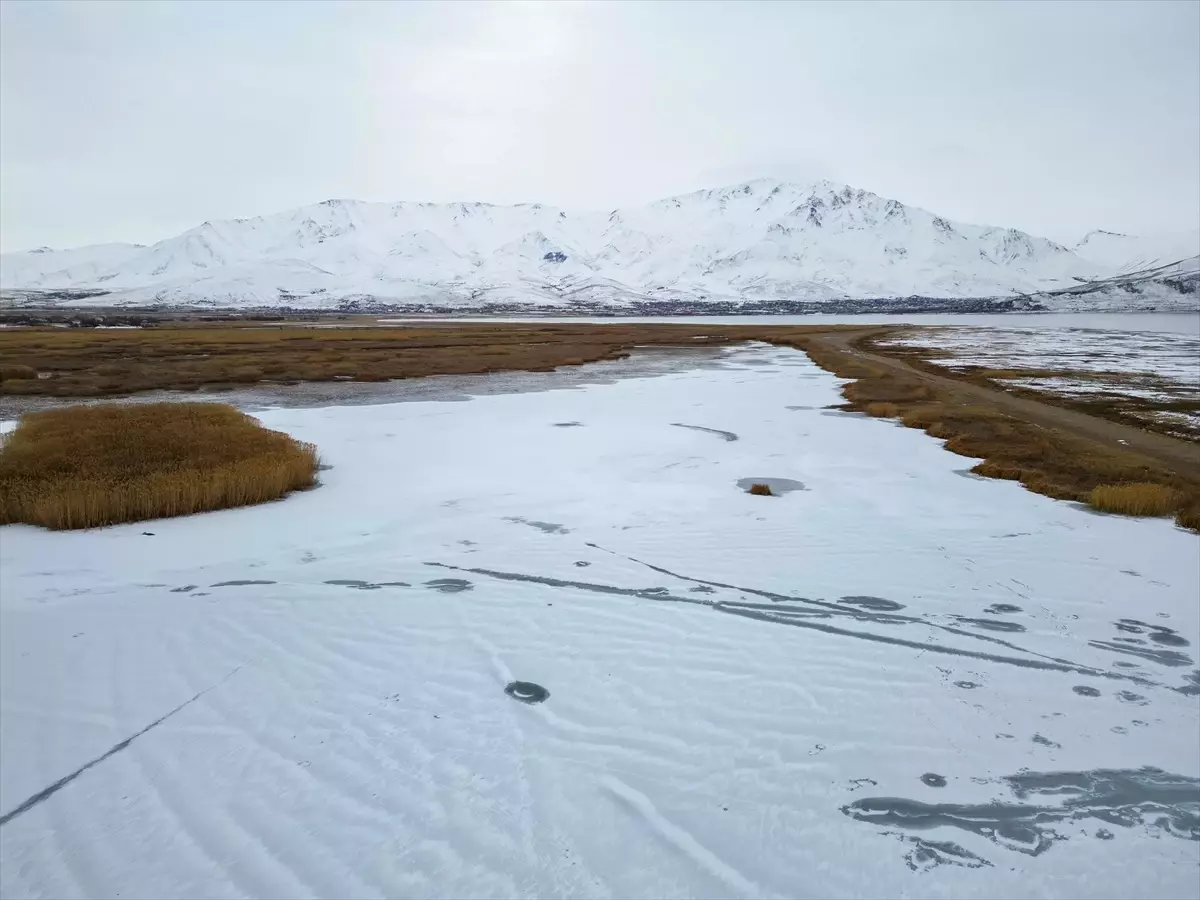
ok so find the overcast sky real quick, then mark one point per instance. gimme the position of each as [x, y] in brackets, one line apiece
[134, 121]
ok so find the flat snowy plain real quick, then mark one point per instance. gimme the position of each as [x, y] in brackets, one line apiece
[895, 679]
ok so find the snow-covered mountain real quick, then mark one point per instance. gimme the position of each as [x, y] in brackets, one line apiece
[1129, 252]
[762, 239]
[85, 263]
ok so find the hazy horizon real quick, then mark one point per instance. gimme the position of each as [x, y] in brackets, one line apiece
[136, 121]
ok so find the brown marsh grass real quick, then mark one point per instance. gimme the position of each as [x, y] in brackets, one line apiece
[87, 466]
[87, 363]
[1053, 464]
[90, 363]
[17, 372]
[1144, 499]
[882, 410]
[760, 490]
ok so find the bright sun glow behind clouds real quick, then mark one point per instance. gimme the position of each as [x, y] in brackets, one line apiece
[133, 121]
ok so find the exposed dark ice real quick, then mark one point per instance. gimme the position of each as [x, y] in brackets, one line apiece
[878, 604]
[450, 585]
[1160, 802]
[547, 527]
[526, 691]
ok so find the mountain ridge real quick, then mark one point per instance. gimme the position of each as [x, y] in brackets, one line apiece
[761, 239]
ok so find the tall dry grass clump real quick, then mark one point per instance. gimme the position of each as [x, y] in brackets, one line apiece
[1143, 499]
[87, 466]
[17, 372]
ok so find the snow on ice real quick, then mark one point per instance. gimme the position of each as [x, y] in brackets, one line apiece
[494, 656]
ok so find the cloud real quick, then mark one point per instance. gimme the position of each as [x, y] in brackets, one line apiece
[133, 121]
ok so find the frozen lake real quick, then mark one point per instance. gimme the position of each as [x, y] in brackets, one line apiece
[541, 643]
[1177, 323]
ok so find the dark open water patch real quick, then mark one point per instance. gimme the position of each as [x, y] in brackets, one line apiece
[999, 608]
[1084, 691]
[727, 435]
[933, 780]
[526, 691]
[1149, 798]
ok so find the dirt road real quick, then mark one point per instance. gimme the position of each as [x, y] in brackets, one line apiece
[1180, 456]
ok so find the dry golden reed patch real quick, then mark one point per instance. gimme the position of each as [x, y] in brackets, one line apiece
[1189, 516]
[883, 410]
[760, 490]
[76, 362]
[1144, 499]
[87, 466]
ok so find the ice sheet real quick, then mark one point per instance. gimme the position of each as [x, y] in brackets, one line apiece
[747, 696]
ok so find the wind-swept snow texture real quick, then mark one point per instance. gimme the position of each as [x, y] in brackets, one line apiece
[492, 656]
[758, 241]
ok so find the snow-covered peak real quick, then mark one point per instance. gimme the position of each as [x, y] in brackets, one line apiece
[764, 237]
